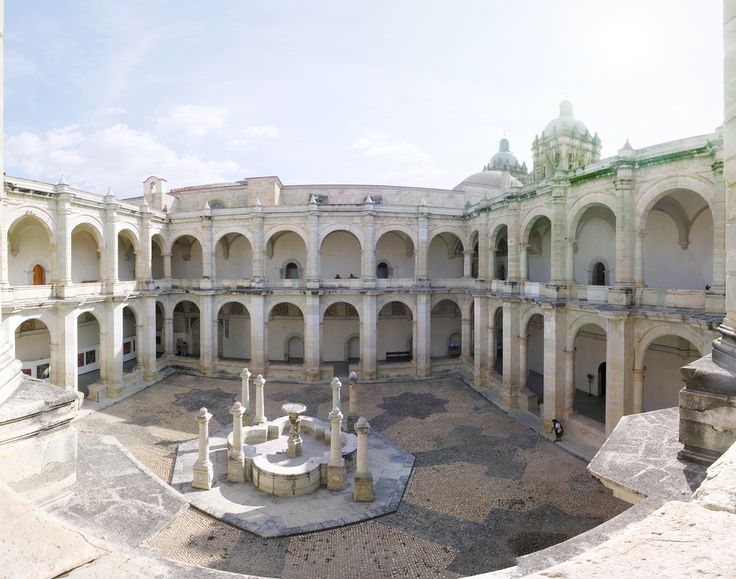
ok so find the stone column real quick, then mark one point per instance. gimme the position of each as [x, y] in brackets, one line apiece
[313, 273]
[112, 343]
[147, 347]
[514, 254]
[523, 361]
[368, 255]
[258, 333]
[569, 383]
[420, 267]
[467, 264]
[168, 333]
[708, 401]
[557, 236]
[422, 344]
[492, 347]
[64, 239]
[480, 335]
[260, 405]
[336, 472]
[523, 262]
[167, 265]
[624, 184]
[143, 258]
[236, 461]
[484, 251]
[570, 262]
[207, 341]
[638, 390]
[368, 328]
[465, 349]
[619, 369]
[258, 248]
[639, 259]
[492, 269]
[139, 333]
[245, 396]
[203, 471]
[554, 364]
[312, 337]
[363, 481]
[208, 251]
[67, 325]
[353, 408]
[109, 264]
[336, 385]
[511, 355]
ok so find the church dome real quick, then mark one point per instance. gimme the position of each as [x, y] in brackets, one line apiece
[490, 180]
[566, 122]
[504, 159]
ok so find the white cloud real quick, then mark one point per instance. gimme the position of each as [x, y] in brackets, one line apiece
[267, 131]
[117, 156]
[193, 120]
[398, 159]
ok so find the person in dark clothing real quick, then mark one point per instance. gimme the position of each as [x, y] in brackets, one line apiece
[557, 429]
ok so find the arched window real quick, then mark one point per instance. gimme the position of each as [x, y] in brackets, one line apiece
[382, 270]
[39, 275]
[598, 276]
[217, 204]
[501, 273]
[291, 271]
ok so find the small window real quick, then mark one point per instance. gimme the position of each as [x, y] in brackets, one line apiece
[217, 204]
[599, 274]
[382, 270]
[291, 271]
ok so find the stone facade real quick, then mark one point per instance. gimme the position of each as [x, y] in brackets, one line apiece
[583, 282]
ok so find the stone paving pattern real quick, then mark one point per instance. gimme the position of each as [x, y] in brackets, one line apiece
[484, 489]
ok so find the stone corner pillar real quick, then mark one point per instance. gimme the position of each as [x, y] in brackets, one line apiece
[336, 472]
[236, 458]
[245, 397]
[363, 481]
[260, 417]
[203, 471]
[353, 408]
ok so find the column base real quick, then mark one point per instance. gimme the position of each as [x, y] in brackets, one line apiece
[424, 372]
[235, 469]
[337, 477]
[707, 410]
[204, 475]
[363, 488]
[312, 375]
[114, 390]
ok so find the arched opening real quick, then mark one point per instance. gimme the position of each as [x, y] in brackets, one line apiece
[186, 329]
[595, 246]
[539, 250]
[445, 257]
[160, 330]
[233, 332]
[535, 356]
[286, 334]
[157, 257]
[661, 372]
[217, 204]
[186, 258]
[291, 271]
[85, 254]
[353, 348]
[284, 249]
[127, 244]
[678, 242]
[589, 398]
[501, 260]
[598, 274]
[340, 324]
[498, 334]
[397, 249]
[39, 275]
[474, 258]
[233, 257]
[446, 330]
[29, 252]
[395, 333]
[33, 349]
[340, 256]
[130, 340]
[88, 351]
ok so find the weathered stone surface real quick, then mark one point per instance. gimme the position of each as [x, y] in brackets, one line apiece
[639, 459]
[35, 541]
[718, 491]
[679, 539]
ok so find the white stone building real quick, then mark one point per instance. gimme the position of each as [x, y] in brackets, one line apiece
[576, 290]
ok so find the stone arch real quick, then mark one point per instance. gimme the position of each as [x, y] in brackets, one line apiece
[331, 299]
[496, 230]
[531, 311]
[657, 332]
[531, 218]
[286, 228]
[221, 232]
[36, 213]
[182, 233]
[90, 224]
[648, 198]
[388, 228]
[583, 320]
[580, 207]
[346, 227]
[458, 232]
[388, 298]
[131, 233]
[278, 300]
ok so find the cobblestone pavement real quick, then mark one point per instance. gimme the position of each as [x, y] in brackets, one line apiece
[484, 489]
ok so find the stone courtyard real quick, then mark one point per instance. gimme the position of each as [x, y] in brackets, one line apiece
[483, 491]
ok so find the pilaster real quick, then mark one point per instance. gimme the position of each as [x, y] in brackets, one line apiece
[619, 368]
[422, 333]
[511, 355]
[207, 328]
[554, 364]
[312, 337]
[368, 346]
[258, 334]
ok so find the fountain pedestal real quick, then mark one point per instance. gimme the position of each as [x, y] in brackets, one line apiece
[294, 444]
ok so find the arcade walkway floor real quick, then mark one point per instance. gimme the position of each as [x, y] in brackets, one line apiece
[484, 489]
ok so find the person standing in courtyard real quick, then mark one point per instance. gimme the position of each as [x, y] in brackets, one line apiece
[557, 429]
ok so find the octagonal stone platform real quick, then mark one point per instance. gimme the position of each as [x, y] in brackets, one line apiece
[266, 515]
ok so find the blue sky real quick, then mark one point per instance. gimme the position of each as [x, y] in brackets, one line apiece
[405, 92]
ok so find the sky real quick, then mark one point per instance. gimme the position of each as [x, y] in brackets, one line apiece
[398, 92]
